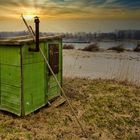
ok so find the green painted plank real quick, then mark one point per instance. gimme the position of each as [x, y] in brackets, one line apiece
[11, 90]
[10, 98]
[10, 55]
[33, 88]
[10, 79]
[32, 57]
[33, 80]
[11, 75]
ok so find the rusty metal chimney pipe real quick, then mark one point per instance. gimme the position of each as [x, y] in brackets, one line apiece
[36, 20]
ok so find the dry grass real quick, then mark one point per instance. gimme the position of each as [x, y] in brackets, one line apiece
[125, 70]
[107, 110]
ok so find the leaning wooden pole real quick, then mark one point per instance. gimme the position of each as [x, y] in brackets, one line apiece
[63, 93]
[28, 27]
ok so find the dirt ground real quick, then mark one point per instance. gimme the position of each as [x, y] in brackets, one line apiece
[107, 110]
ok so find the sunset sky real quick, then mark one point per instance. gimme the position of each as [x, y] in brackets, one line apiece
[71, 15]
[71, 9]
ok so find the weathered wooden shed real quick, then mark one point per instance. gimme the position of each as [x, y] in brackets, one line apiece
[26, 83]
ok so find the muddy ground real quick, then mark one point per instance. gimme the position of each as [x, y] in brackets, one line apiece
[107, 110]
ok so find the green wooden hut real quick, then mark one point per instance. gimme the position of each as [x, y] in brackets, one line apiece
[26, 84]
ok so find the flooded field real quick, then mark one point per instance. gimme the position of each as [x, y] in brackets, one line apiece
[105, 65]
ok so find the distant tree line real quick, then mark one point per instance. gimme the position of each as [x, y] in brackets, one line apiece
[128, 34]
[85, 37]
[116, 35]
[12, 34]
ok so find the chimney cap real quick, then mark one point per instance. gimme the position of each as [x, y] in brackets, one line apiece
[36, 18]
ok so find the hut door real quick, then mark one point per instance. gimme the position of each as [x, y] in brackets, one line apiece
[53, 54]
[54, 58]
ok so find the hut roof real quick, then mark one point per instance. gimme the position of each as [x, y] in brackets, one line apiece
[18, 41]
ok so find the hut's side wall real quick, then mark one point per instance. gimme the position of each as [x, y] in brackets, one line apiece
[10, 79]
[33, 67]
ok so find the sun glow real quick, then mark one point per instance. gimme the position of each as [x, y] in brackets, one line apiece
[29, 14]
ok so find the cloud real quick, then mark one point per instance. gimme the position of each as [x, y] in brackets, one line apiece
[74, 8]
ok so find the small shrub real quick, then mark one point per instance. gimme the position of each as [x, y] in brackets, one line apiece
[137, 49]
[68, 46]
[91, 48]
[118, 48]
